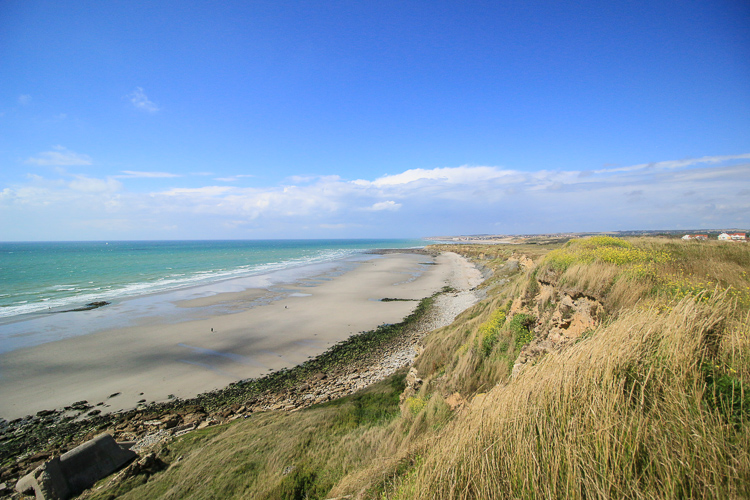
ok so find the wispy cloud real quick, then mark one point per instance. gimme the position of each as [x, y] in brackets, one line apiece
[673, 164]
[24, 99]
[202, 192]
[94, 185]
[141, 102]
[59, 157]
[130, 174]
[233, 178]
[336, 226]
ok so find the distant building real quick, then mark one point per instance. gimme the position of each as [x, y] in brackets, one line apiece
[732, 237]
[695, 237]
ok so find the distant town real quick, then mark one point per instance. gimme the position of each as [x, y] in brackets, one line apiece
[732, 235]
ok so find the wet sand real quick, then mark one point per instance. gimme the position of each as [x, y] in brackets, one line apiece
[153, 361]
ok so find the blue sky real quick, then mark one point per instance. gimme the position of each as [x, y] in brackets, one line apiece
[206, 120]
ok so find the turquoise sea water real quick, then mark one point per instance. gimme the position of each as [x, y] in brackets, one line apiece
[41, 278]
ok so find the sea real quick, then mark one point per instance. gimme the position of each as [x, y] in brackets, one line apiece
[46, 287]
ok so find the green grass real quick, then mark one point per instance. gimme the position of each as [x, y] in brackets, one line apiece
[726, 393]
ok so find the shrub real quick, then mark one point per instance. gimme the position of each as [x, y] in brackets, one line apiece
[520, 327]
[490, 330]
[726, 393]
[415, 404]
[602, 249]
[602, 241]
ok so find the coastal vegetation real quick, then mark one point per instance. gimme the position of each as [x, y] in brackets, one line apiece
[653, 402]
[595, 368]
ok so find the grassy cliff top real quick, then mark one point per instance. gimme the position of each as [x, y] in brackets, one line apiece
[596, 368]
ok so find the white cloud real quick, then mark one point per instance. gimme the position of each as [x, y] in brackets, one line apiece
[385, 205]
[141, 102]
[93, 185]
[127, 174]
[60, 157]
[415, 202]
[208, 191]
[233, 178]
[451, 175]
[24, 99]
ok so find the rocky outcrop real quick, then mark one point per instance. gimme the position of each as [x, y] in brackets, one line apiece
[69, 474]
[562, 317]
[413, 384]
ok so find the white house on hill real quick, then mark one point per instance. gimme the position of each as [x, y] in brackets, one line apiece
[732, 237]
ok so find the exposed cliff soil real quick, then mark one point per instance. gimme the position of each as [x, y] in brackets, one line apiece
[562, 316]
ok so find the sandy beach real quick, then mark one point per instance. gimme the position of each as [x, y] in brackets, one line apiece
[154, 361]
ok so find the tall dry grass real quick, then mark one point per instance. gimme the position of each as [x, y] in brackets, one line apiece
[453, 359]
[625, 413]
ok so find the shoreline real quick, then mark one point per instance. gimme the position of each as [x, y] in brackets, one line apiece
[210, 351]
[241, 260]
[343, 369]
[46, 326]
[36, 328]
